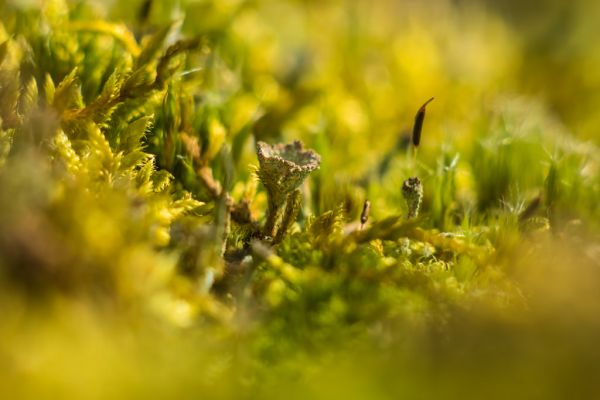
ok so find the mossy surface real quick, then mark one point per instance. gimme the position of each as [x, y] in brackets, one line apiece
[220, 199]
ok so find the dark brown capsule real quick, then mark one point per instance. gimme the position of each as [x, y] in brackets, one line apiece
[364, 216]
[144, 11]
[418, 126]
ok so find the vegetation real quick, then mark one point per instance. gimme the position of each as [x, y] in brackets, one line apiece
[224, 199]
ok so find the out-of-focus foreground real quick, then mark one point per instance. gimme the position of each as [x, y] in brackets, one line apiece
[146, 251]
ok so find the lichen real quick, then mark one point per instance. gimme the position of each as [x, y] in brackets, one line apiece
[283, 168]
[412, 191]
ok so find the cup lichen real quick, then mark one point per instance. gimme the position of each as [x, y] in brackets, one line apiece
[412, 191]
[283, 168]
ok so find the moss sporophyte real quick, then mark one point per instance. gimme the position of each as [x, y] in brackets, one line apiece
[412, 189]
[283, 168]
[418, 125]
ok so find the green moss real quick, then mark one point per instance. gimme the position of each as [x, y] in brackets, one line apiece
[151, 214]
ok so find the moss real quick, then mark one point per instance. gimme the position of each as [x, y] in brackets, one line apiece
[134, 232]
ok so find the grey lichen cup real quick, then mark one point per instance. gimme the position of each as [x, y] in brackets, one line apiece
[283, 168]
[412, 191]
